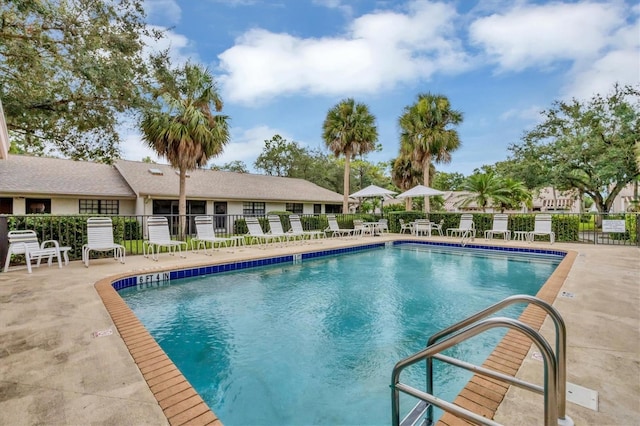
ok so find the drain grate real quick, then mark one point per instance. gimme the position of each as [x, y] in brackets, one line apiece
[567, 295]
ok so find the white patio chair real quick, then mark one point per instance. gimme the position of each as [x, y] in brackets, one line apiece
[422, 227]
[275, 229]
[296, 227]
[26, 243]
[437, 226]
[205, 234]
[406, 226]
[360, 229]
[465, 228]
[158, 237]
[335, 229]
[258, 235]
[542, 226]
[100, 238]
[383, 226]
[499, 227]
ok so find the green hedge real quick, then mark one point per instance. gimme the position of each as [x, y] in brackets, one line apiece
[72, 230]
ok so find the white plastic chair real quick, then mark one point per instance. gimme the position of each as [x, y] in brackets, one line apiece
[499, 227]
[406, 226]
[206, 235]
[437, 226]
[257, 234]
[466, 227]
[100, 238]
[542, 226]
[26, 243]
[383, 226]
[296, 227]
[275, 229]
[158, 234]
[335, 229]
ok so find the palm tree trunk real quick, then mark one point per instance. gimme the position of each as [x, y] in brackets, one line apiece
[182, 203]
[425, 172]
[345, 199]
[407, 204]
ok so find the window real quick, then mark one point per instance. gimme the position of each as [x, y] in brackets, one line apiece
[99, 207]
[294, 208]
[333, 208]
[253, 208]
[38, 205]
[317, 208]
[6, 205]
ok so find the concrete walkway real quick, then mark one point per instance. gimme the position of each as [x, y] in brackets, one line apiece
[54, 371]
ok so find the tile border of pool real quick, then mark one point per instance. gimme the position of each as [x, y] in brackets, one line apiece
[182, 404]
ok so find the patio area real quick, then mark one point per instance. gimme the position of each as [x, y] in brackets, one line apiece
[63, 361]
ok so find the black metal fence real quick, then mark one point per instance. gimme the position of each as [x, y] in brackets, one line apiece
[70, 230]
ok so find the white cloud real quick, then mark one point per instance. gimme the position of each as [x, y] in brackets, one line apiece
[531, 113]
[379, 51]
[166, 11]
[538, 35]
[181, 49]
[619, 64]
[335, 4]
[247, 144]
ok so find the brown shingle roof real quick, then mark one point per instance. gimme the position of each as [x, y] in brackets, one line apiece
[212, 184]
[22, 174]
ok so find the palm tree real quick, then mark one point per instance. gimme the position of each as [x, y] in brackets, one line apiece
[349, 130]
[517, 194]
[182, 127]
[404, 175]
[426, 132]
[485, 188]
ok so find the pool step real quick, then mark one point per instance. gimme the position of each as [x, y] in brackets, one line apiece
[416, 415]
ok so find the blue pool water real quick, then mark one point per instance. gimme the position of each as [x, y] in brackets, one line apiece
[314, 343]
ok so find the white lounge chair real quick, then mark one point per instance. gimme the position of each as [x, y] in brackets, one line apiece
[205, 235]
[542, 226]
[100, 238]
[158, 237]
[465, 228]
[26, 243]
[275, 229]
[257, 234]
[335, 229]
[296, 227]
[422, 227]
[405, 226]
[500, 227]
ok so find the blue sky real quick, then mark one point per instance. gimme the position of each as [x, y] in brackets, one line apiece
[282, 64]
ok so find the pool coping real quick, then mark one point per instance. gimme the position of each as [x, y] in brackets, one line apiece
[182, 405]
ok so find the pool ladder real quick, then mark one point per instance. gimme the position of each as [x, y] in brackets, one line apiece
[554, 389]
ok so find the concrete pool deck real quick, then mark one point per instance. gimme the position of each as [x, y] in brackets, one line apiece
[54, 371]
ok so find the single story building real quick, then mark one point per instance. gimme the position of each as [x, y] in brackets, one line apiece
[63, 187]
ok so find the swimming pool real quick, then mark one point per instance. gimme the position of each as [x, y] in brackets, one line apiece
[314, 343]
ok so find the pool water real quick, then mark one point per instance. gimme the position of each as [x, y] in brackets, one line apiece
[315, 343]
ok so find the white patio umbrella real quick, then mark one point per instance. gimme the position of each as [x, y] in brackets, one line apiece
[420, 191]
[373, 191]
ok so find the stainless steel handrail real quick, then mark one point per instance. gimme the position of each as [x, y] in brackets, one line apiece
[550, 369]
[560, 353]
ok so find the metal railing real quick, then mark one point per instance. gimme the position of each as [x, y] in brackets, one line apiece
[554, 389]
[70, 230]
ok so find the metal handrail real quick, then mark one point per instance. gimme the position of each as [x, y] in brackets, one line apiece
[550, 380]
[560, 353]
[467, 235]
